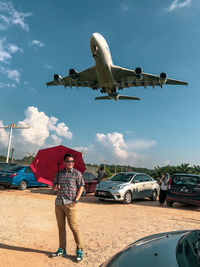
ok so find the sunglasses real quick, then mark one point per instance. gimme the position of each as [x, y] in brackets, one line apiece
[70, 161]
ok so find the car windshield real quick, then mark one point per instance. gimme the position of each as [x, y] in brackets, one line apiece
[89, 176]
[15, 168]
[122, 177]
[188, 249]
[186, 180]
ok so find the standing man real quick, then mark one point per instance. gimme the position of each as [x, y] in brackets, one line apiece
[101, 175]
[69, 186]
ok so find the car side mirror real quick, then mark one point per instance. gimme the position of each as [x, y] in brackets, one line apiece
[135, 182]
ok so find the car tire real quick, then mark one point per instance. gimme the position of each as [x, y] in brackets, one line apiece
[84, 191]
[169, 203]
[23, 185]
[154, 195]
[127, 198]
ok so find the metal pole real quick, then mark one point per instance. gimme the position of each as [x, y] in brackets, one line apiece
[9, 144]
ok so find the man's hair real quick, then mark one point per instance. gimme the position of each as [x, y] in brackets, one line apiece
[68, 155]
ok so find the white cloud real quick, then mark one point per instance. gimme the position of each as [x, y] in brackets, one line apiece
[38, 122]
[12, 48]
[35, 44]
[141, 144]
[113, 148]
[9, 17]
[4, 55]
[56, 140]
[40, 127]
[113, 141]
[177, 4]
[125, 7]
[61, 129]
[3, 135]
[7, 85]
[48, 66]
[11, 74]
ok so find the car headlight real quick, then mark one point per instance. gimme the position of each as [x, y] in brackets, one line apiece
[117, 187]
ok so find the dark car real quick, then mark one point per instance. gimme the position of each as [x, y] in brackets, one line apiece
[19, 176]
[184, 188]
[90, 183]
[171, 249]
[5, 165]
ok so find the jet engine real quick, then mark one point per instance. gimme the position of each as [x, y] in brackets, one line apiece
[138, 73]
[57, 77]
[73, 73]
[163, 78]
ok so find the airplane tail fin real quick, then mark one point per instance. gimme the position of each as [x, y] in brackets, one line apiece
[119, 97]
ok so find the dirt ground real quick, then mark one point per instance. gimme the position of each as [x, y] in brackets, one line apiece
[28, 230]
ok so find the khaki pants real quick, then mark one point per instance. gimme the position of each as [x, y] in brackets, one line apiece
[69, 211]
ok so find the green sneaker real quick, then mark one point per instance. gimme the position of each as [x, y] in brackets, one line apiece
[59, 253]
[79, 255]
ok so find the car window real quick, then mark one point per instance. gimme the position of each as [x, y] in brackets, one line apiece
[89, 176]
[15, 168]
[122, 177]
[185, 180]
[146, 178]
[28, 170]
[138, 178]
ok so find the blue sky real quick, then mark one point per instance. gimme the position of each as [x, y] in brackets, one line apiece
[40, 38]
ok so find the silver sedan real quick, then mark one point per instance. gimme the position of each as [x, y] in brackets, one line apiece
[125, 186]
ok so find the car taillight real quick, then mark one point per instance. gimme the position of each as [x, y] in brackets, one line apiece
[13, 174]
[170, 181]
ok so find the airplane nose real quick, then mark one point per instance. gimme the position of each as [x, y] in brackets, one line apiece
[93, 37]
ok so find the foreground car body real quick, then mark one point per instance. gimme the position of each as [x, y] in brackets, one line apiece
[19, 176]
[171, 249]
[184, 188]
[90, 183]
[125, 186]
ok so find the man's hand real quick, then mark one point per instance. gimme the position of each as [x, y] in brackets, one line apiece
[56, 187]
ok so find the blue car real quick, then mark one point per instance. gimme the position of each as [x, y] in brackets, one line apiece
[19, 176]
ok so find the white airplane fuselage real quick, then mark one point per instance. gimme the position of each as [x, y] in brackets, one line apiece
[103, 62]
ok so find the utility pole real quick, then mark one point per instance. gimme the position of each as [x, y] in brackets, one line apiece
[11, 127]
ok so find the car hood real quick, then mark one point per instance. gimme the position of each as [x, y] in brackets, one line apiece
[156, 250]
[109, 184]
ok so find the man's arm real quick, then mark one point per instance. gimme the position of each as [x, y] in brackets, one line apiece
[79, 193]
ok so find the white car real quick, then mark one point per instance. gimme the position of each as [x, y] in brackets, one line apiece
[125, 186]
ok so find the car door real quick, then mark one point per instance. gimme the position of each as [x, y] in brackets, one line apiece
[30, 177]
[148, 185]
[139, 186]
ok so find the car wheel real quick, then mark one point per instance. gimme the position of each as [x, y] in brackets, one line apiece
[84, 191]
[154, 195]
[169, 203]
[23, 185]
[127, 198]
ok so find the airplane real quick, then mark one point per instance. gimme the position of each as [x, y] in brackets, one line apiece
[108, 77]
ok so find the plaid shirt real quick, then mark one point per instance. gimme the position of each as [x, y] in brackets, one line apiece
[69, 181]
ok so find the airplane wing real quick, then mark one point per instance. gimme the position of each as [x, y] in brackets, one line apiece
[128, 78]
[85, 78]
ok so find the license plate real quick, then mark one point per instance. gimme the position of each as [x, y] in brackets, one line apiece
[102, 193]
[184, 190]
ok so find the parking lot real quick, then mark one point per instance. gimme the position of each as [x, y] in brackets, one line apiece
[29, 231]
